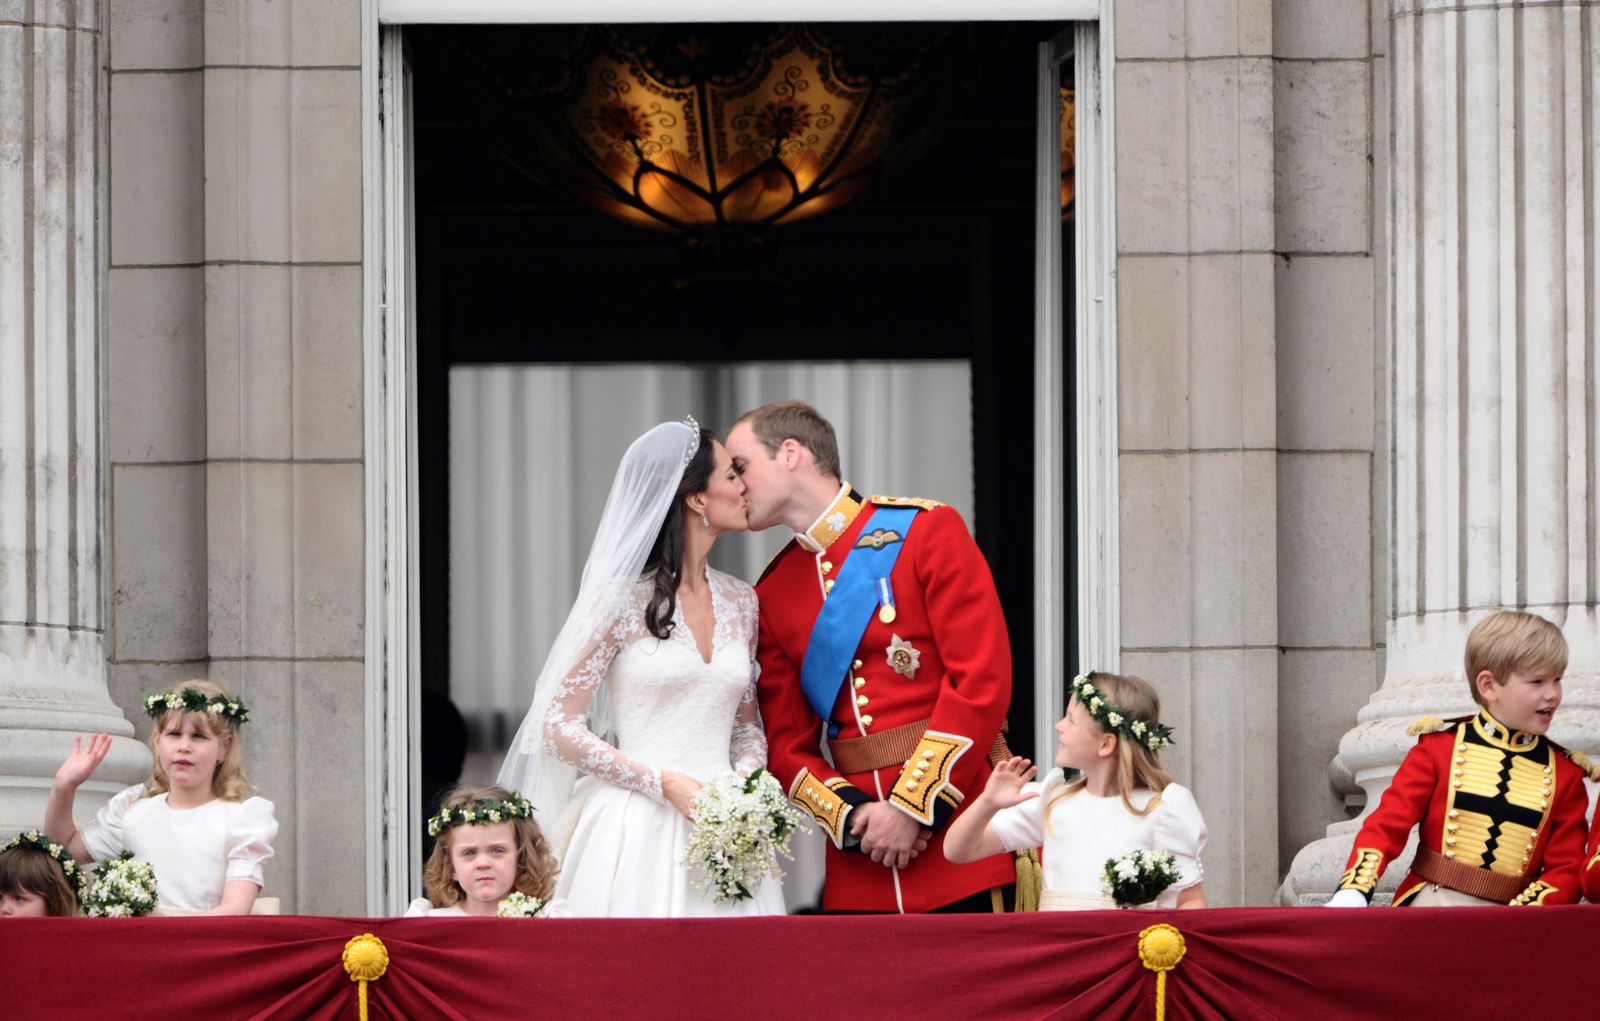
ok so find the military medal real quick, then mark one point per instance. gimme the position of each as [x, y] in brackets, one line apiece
[903, 656]
[885, 602]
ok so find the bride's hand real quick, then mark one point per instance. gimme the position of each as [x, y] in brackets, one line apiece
[679, 791]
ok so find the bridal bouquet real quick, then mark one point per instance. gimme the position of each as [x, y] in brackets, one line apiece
[1138, 877]
[123, 888]
[517, 904]
[741, 825]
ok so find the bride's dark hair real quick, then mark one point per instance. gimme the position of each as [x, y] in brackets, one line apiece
[665, 562]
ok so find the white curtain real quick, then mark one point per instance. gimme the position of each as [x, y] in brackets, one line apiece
[532, 453]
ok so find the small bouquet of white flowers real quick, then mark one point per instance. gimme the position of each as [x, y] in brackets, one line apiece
[517, 904]
[1138, 877]
[124, 887]
[741, 825]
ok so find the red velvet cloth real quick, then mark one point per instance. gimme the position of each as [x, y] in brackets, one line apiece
[1241, 963]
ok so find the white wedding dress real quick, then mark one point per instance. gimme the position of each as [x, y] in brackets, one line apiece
[671, 710]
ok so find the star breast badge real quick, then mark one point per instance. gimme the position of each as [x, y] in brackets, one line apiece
[903, 657]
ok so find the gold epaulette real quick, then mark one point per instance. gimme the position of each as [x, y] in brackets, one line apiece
[1580, 760]
[904, 501]
[1426, 725]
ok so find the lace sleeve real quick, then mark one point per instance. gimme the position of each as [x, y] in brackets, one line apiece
[566, 724]
[748, 747]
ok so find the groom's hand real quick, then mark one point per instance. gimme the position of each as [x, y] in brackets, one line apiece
[888, 835]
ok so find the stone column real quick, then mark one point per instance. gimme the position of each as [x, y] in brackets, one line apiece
[1493, 388]
[52, 659]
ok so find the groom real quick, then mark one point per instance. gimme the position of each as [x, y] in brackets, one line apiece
[882, 633]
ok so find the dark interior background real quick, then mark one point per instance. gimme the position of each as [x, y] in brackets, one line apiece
[934, 262]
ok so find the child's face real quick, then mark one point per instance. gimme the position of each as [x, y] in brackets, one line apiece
[1079, 737]
[189, 752]
[22, 904]
[483, 860]
[1526, 701]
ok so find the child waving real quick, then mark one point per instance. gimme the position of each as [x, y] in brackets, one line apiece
[193, 821]
[1122, 802]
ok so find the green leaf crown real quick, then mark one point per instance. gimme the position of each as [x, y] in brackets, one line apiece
[1154, 736]
[193, 700]
[483, 812]
[75, 874]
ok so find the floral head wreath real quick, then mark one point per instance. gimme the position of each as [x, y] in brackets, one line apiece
[1154, 736]
[75, 874]
[481, 812]
[193, 700]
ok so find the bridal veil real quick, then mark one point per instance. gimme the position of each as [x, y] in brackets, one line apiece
[641, 494]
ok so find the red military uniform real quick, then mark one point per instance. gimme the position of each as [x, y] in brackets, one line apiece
[1500, 814]
[1591, 855]
[933, 685]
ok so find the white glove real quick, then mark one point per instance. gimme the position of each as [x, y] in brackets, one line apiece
[1347, 899]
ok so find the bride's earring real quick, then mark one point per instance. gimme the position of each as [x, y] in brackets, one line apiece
[705, 520]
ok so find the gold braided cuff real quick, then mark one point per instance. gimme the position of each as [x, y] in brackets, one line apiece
[827, 803]
[1362, 875]
[1536, 892]
[926, 777]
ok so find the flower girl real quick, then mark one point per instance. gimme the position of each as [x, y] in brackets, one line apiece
[1122, 802]
[193, 820]
[490, 859]
[39, 878]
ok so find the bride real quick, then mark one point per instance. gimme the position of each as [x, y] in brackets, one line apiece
[659, 649]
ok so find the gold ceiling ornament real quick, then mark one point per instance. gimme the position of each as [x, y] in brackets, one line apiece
[1069, 156]
[720, 129]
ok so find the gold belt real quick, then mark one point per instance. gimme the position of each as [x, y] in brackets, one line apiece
[1468, 879]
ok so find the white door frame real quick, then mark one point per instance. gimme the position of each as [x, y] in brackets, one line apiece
[389, 407]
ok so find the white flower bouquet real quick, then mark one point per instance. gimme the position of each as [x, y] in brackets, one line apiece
[741, 826]
[1138, 877]
[517, 904]
[123, 888]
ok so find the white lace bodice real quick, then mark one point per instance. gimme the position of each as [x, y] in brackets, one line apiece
[670, 708]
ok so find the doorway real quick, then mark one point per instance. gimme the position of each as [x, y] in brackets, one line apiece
[933, 267]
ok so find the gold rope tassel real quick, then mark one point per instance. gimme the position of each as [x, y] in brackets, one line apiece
[1161, 947]
[1030, 879]
[365, 960]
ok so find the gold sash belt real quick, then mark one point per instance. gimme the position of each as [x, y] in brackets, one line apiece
[1468, 879]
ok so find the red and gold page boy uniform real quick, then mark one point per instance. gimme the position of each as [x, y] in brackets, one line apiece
[910, 689]
[1591, 862]
[1500, 813]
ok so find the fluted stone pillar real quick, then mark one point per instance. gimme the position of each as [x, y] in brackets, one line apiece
[1494, 382]
[52, 659]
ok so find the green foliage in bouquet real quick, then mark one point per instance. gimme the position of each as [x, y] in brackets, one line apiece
[124, 887]
[1138, 877]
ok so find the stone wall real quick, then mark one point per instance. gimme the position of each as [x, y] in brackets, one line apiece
[1247, 311]
[1332, 168]
[234, 381]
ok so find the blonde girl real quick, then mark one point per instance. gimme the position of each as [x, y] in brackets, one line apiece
[1120, 801]
[39, 879]
[193, 821]
[488, 848]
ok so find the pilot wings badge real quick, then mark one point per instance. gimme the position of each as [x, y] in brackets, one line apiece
[878, 538]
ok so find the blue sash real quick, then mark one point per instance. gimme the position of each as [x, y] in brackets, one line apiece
[860, 586]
